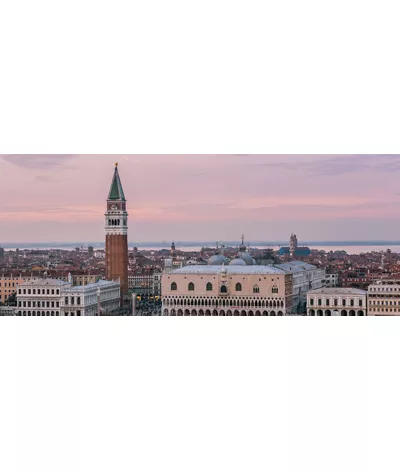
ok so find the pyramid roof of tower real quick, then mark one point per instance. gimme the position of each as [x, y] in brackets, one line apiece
[116, 191]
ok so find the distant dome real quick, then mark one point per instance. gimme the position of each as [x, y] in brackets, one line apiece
[237, 262]
[216, 260]
[247, 258]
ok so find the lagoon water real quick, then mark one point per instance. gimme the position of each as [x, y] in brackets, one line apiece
[350, 249]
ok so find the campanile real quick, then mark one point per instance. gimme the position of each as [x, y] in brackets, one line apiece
[117, 234]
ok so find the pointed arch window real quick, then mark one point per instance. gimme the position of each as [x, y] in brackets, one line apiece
[174, 286]
[224, 290]
[209, 286]
[238, 287]
[256, 290]
[191, 286]
[275, 290]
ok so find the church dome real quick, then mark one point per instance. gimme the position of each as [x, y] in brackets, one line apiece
[216, 260]
[237, 262]
[247, 258]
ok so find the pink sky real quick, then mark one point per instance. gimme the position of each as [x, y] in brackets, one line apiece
[52, 198]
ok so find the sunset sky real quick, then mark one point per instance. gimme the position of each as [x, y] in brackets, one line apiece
[54, 198]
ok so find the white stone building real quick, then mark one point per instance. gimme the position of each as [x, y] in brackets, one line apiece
[332, 280]
[90, 300]
[334, 301]
[52, 297]
[8, 311]
[384, 298]
[305, 278]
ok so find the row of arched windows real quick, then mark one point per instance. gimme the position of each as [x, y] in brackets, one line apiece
[114, 222]
[221, 313]
[224, 303]
[209, 288]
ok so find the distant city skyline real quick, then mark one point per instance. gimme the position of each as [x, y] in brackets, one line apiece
[60, 198]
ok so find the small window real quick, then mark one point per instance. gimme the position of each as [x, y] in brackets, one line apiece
[174, 286]
[238, 287]
[191, 286]
[209, 286]
[256, 290]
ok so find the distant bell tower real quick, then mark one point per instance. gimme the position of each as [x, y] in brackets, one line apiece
[117, 235]
[293, 244]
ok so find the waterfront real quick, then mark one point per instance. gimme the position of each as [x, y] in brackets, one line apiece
[351, 249]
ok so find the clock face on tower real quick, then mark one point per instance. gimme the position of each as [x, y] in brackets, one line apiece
[114, 207]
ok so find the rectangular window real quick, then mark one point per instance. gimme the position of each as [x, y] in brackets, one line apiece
[66, 300]
[29, 292]
[72, 300]
[34, 291]
[312, 302]
[52, 305]
[336, 302]
[78, 300]
[58, 304]
[360, 303]
[327, 302]
[344, 302]
[48, 291]
[319, 302]
[52, 291]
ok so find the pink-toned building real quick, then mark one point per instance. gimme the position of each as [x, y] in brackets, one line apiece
[232, 290]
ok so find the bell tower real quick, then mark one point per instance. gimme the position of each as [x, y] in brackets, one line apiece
[117, 234]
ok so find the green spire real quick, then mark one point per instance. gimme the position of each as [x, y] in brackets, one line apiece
[116, 191]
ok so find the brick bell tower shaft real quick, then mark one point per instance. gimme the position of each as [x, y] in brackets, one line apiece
[117, 257]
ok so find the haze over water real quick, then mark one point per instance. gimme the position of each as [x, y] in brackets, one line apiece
[351, 249]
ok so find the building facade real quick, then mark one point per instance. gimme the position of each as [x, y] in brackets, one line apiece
[331, 301]
[145, 283]
[9, 286]
[117, 258]
[41, 297]
[84, 279]
[101, 298]
[232, 290]
[384, 298]
[332, 280]
[8, 311]
[52, 297]
[305, 278]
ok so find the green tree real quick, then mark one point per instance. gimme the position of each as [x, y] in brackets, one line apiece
[12, 300]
